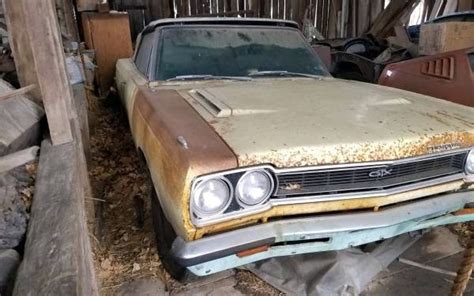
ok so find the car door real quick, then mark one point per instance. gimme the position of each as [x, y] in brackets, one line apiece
[134, 72]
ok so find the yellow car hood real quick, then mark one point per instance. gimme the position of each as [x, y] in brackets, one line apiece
[302, 122]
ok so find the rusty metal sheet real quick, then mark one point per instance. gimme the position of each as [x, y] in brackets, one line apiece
[447, 76]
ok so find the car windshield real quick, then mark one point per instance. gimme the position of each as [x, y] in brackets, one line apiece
[224, 51]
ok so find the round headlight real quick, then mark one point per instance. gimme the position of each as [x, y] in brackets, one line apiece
[211, 197]
[254, 188]
[470, 163]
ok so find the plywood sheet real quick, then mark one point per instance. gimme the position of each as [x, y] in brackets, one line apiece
[108, 34]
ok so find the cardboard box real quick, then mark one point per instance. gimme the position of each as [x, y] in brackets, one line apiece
[444, 37]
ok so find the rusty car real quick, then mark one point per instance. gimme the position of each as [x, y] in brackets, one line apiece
[448, 76]
[255, 151]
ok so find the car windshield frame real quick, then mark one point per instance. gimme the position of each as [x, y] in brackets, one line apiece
[153, 73]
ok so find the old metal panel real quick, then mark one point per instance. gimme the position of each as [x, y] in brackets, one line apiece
[299, 122]
[449, 76]
[159, 118]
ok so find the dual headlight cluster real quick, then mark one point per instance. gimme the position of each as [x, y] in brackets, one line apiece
[229, 192]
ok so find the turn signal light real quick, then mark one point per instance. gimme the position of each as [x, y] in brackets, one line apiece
[256, 250]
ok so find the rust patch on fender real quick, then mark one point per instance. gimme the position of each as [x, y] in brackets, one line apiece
[159, 118]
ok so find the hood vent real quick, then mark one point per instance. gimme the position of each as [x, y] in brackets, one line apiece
[211, 103]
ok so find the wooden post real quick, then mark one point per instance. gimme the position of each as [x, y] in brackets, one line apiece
[20, 46]
[44, 60]
[70, 24]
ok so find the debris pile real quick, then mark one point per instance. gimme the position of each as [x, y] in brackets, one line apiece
[123, 251]
[20, 128]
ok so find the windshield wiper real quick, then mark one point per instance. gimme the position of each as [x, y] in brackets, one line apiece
[282, 73]
[207, 77]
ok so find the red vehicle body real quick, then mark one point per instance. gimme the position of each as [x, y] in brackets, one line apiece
[448, 76]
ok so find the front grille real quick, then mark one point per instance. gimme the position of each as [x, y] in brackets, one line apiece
[370, 177]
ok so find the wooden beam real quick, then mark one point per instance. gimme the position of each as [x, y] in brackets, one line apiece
[436, 9]
[333, 24]
[390, 17]
[363, 20]
[376, 8]
[17, 92]
[344, 18]
[48, 55]
[451, 6]
[45, 60]
[227, 13]
[19, 158]
[20, 46]
[58, 257]
[70, 25]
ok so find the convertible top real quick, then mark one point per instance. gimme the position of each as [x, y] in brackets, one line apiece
[218, 21]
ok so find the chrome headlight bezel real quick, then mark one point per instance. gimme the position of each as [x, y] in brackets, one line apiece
[235, 208]
[203, 214]
[469, 165]
[240, 199]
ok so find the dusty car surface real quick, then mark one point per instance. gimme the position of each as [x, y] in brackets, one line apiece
[255, 151]
[448, 76]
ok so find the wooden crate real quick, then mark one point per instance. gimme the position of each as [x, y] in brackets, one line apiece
[108, 34]
[444, 37]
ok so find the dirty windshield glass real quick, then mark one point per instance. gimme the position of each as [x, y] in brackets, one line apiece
[234, 51]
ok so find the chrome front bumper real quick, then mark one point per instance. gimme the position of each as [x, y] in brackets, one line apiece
[320, 233]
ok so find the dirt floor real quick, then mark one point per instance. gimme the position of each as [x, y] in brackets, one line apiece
[125, 250]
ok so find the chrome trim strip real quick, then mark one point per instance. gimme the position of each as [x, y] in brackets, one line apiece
[228, 243]
[330, 197]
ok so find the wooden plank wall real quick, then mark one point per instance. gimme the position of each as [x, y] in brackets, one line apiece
[326, 15]
[333, 18]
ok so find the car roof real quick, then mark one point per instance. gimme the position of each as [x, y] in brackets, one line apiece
[219, 21]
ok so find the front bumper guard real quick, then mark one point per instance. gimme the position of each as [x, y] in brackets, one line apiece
[320, 233]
